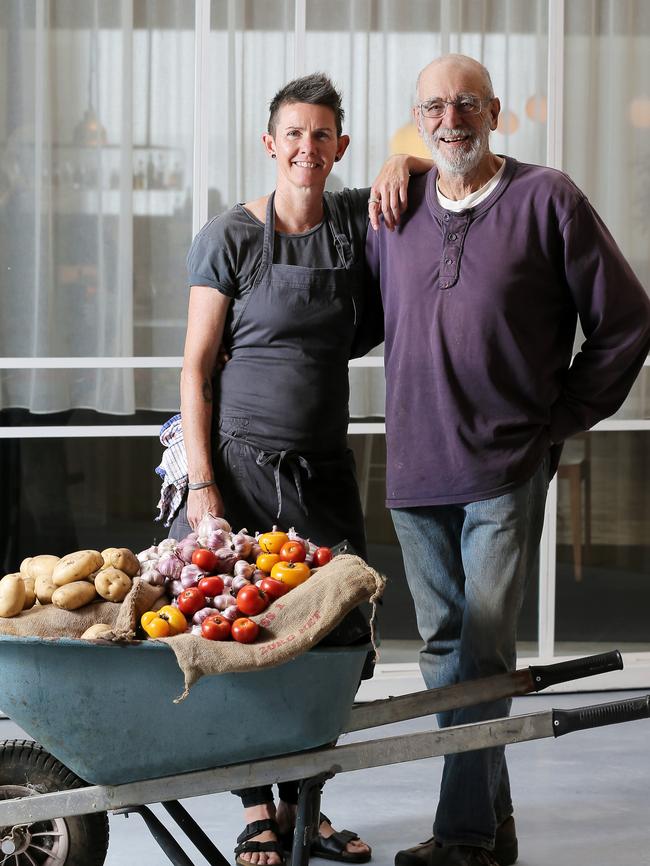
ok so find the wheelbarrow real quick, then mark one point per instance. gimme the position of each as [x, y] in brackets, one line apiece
[111, 737]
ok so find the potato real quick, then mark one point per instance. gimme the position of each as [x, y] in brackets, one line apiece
[12, 594]
[30, 593]
[35, 566]
[112, 584]
[96, 631]
[107, 555]
[76, 566]
[73, 595]
[122, 558]
[43, 587]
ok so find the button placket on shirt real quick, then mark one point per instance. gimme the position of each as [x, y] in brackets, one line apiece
[454, 226]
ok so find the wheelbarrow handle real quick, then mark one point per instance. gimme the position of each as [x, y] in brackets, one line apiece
[582, 718]
[575, 669]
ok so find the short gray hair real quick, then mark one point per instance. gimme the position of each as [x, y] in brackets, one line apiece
[315, 89]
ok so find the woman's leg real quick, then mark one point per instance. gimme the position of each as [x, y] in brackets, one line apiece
[259, 806]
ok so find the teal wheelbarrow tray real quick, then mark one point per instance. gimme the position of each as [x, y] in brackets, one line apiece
[80, 699]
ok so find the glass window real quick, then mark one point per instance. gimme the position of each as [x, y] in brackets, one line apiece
[603, 551]
[61, 495]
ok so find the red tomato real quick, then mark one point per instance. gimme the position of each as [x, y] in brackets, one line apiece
[252, 600]
[245, 630]
[205, 559]
[273, 588]
[191, 600]
[211, 586]
[322, 555]
[216, 628]
[293, 551]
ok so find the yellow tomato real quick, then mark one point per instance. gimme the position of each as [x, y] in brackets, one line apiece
[271, 542]
[266, 561]
[291, 573]
[153, 625]
[174, 618]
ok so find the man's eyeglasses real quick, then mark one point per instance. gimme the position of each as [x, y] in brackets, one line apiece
[466, 103]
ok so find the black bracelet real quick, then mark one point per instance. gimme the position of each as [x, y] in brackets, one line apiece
[199, 485]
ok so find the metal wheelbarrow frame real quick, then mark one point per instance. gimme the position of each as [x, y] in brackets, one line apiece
[316, 765]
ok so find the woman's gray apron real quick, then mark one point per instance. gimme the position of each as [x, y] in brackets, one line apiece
[280, 452]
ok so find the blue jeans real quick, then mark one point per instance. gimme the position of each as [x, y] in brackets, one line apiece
[467, 566]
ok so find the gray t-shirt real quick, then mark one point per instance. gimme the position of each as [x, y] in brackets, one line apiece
[227, 251]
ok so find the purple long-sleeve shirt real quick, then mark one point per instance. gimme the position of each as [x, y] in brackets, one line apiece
[480, 316]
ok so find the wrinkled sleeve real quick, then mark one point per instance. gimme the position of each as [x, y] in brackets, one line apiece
[209, 261]
[614, 312]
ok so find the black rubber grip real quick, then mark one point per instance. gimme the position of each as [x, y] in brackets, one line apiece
[563, 672]
[566, 721]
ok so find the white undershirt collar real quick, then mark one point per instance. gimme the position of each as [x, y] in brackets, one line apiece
[473, 198]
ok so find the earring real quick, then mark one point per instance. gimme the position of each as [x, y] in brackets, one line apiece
[337, 158]
[272, 156]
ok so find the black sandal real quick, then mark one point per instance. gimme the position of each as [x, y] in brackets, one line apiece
[254, 829]
[334, 847]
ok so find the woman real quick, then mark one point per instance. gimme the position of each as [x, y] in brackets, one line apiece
[268, 444]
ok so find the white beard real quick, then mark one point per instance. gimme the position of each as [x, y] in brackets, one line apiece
[462, 161]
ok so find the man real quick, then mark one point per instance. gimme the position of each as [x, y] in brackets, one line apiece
[482, 283]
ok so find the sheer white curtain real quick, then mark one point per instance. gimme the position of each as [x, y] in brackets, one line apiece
[607, 131]
[67, 282]
[93, 255]
[607, 117]
[95, 144]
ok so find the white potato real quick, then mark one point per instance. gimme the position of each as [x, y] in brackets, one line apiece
[39, 566]
[12, 594]
[112, 584]
[122, 558]
[96, 631]
[73, 595]
[43, 587]
[76, 566]
[30, 591]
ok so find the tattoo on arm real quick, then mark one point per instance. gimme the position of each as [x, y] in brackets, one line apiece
[206, 390]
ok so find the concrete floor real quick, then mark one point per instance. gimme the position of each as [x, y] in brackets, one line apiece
[581, 800]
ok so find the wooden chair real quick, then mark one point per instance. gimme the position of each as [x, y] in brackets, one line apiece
[575, 467]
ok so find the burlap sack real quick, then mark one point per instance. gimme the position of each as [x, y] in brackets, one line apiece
[292, 625]
[48, 621]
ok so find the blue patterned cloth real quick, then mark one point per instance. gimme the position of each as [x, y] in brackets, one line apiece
[172, 470]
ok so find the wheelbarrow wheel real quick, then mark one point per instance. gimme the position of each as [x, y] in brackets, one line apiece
[27, 769]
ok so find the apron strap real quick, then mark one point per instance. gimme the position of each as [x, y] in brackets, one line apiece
[269, 236]
[296, 462]
[341, 241]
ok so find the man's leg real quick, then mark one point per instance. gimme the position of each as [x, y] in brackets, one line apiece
[430, 541]
[499, 544]
[467, 567]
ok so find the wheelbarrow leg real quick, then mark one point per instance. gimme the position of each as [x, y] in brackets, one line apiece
[307, 817]
[195, 833]
[161, 834]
